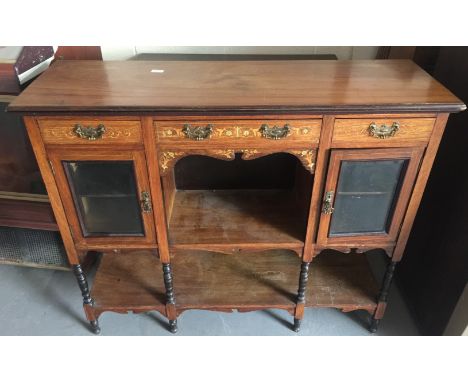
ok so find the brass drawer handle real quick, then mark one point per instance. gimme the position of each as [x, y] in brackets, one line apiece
[383, 131]
[146, 205]
[90, 133]
[327, 208]
[274, 132]
[197, 133]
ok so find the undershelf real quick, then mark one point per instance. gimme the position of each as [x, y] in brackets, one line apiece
[236, 218]
[214, 281]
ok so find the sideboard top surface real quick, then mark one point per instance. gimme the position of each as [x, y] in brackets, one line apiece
[246, 86]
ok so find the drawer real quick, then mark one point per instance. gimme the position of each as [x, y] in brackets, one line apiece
[376, 132]
[89, 131]
[201, 132]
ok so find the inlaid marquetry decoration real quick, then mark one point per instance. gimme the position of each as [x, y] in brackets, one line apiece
[252, 130]
[71, 134]
[168, 158]
[60, 132]
[307, 157]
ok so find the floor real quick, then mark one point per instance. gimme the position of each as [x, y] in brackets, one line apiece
[47, 302]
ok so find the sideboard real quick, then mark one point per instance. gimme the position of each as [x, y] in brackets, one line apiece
[235, 185]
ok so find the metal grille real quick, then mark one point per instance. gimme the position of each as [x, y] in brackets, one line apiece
[32, 247]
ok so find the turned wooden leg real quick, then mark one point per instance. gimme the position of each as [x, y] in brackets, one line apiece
[170, 299]
[87, 300]
[383, 295]
[303, 278]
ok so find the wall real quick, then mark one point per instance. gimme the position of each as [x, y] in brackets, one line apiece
[342, 52]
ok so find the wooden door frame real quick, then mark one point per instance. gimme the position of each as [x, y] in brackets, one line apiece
[412, 154]
[137, 156]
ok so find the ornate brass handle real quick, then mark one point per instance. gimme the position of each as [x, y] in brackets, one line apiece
[198, 133]
[90, 133]
[274, 132]
[327, 208]
[146, 205]
[383, 131]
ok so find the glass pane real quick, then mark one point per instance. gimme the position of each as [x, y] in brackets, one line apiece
[105, 196]
[366, 195]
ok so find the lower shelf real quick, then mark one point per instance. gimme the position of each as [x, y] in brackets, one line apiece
[214, 281]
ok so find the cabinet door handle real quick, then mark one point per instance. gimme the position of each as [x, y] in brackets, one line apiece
[274, 132]
[327, 208]
[197, 133]
[383, 131]
[146, 205]
[90, 133]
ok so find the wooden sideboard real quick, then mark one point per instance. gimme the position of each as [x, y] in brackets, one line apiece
[253, 185]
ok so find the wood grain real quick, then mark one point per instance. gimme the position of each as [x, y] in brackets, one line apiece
[154, 178]
[300, 86]
[236, 219]
[354, 132]
[52, 190]
[60, 131]
[133, 282]
[129, 282]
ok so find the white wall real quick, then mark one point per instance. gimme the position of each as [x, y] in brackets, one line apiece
[342, 52]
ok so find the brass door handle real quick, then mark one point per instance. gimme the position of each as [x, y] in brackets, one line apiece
[146, 205]
[383, 131]
[90, 133]
[274, 132]
[327, 208]
[197, 133]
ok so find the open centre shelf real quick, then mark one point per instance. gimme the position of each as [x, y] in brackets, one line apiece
[208, 280]
[253, 204]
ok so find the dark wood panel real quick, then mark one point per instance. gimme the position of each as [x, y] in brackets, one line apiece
[27, 214]
[18, 167]
[434, 270]
[79, 53]
[308, 86]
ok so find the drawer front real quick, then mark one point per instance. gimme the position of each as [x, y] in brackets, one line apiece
[369, 132]
[90, 131]
[241, 131]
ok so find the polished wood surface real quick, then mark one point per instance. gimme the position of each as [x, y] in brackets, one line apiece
[328, 86]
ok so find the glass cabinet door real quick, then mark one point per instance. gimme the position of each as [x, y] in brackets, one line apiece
[106, 197]
[366, 194]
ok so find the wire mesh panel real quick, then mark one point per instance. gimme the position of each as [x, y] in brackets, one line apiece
[30, 247]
